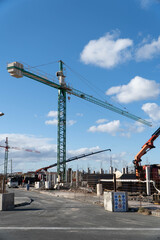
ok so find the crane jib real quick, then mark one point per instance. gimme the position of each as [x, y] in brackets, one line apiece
[74, 92]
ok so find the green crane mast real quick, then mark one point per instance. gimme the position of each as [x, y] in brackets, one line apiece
[61, 136]
[17, 70]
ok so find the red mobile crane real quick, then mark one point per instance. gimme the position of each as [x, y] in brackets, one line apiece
[145, 148]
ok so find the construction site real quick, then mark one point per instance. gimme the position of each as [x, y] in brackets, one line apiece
[141, 182]
[80, 120]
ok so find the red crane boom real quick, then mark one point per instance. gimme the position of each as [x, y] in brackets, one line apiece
[145, 148]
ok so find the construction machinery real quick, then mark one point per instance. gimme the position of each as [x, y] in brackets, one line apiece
[7, 147]
[72, 159]
[145, 148]
[17, 70]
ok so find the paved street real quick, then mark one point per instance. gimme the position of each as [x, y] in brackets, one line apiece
[51, 217]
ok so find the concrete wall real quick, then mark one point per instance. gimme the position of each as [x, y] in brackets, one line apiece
[6, 201]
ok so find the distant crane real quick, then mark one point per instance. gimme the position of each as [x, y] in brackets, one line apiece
[7, 147]
[17, 70]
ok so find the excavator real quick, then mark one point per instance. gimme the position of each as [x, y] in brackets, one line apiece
[145, 148]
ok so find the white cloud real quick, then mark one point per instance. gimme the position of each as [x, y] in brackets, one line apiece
[138, 127]
[118, 156]
[111, 127]
[51, 122]
[83, 151]
[86, 162]
[145, 3]
[153, 110]
[107, 51]
[137, 89]
[54, 121]
[148, 50]
[133, 128]
[115, 127]
[53, 114]
[71, 122]
[119, 160]
[79, 114]
[101, 121]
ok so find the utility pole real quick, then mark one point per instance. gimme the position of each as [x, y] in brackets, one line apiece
[111, 161]
[6, 159]
[5, 165]
[11, 167]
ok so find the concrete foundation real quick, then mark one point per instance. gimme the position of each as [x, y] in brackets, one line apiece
[148, 188]
[99, 189]
[116, 201]
[111, 170]
[6, 201]
[77, 178]
[47, 185]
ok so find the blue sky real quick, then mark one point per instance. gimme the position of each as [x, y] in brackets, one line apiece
[111, 50]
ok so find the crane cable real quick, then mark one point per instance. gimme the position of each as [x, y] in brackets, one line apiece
[93, 86]
[40, 71]
[44, 64]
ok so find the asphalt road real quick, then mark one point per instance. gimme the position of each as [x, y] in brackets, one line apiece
[49, 217]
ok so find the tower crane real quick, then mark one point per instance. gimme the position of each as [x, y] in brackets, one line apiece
[7, 147]
[17, 70]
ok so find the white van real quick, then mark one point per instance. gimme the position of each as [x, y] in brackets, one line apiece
[12, 183]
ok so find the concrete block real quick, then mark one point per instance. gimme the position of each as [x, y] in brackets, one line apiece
[99, 189]
[116, 201]
[6, 201]
[37, 185]
[108, 201]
